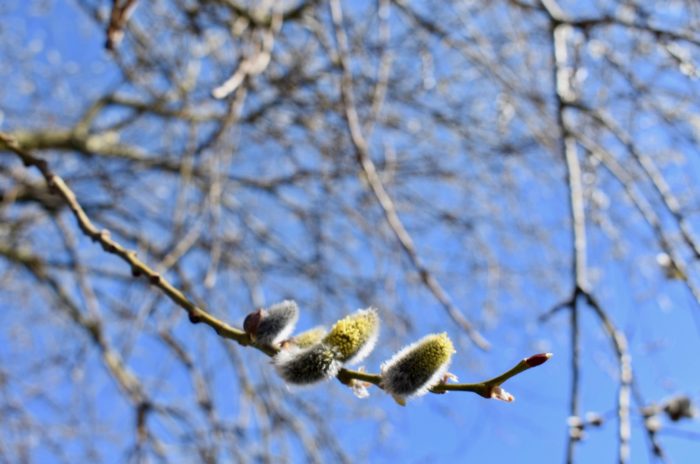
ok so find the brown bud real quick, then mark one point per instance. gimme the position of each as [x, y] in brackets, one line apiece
[537, 359]
[252, 321]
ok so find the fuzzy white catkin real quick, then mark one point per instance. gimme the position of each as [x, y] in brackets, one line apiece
[355, 336]
[418, 367]
[307, 366]
[278, 323]
[350, 340]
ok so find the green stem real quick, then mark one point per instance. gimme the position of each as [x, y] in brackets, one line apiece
[485, 388]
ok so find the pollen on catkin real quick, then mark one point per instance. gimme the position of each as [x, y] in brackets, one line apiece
[309, 337]
[353, 338]
[418, 367]
[307, 366]
[274, 324]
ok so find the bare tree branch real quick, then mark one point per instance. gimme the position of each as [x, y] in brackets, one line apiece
[387, 204]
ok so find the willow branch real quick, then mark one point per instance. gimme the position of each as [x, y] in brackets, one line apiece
[487, 388]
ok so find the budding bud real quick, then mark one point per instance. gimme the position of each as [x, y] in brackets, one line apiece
[537, 359]
[418, 367]
[353, 337]
[307, 366]
[251, 322]
[498, 393]
[272, 325]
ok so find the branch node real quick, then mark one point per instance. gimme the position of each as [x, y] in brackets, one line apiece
[42, 165]
[51, 181]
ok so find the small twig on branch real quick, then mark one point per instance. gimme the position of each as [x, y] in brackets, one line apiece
[650, 429]
[619, 342]
[91, 325]
[675, 260]
[254, 64]
[121, 11]
[669, 200]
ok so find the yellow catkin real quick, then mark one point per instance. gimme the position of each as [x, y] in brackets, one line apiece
[418, 367]
[354, 336]
[309, 337]
[435, 351]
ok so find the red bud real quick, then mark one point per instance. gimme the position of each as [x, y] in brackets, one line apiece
[537, 359]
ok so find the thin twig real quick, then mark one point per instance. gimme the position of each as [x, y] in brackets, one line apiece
[619, 342]
[377, 187]
[563, 94]
[103, 237]
[254, 64]
[649, 428]
[121, 11]
[649, 168]
[113, 362]
[676, 262]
